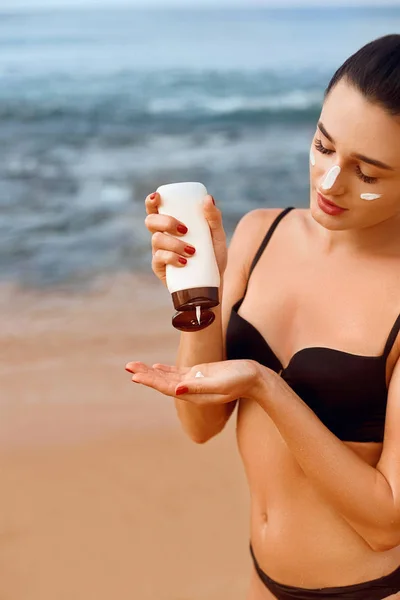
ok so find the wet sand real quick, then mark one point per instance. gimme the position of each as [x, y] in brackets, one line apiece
[103, 495]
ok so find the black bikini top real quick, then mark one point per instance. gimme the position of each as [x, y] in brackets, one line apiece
[346, 391]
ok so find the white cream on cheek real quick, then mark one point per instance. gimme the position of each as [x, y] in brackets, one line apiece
[370, 196]
[330, 177]
[312, 157]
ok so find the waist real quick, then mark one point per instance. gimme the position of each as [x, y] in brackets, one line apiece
[383, 586]
[311, 549]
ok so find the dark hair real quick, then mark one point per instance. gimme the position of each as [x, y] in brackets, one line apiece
[374, 70]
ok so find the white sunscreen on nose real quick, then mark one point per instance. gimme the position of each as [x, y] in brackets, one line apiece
[330, 177]
[312, 157]
[370, 196]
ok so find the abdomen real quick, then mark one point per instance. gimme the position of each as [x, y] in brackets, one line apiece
[297, 537]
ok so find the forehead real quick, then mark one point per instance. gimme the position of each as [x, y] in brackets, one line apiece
[359, 126]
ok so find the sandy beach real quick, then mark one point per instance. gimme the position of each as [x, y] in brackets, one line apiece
[103, 495]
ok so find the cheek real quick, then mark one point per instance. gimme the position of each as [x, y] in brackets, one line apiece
[320, 165]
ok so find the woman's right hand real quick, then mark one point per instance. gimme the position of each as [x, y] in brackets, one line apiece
[168, 250]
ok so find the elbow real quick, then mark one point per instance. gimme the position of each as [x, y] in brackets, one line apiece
[202, 439]
[201, 436]
[386, 538]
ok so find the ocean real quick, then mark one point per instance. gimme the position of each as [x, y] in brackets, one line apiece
[99, 107]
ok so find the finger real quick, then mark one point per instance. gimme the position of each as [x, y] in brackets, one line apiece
[152, 202]
[161, 258]
[160, 381]
[182, 371]
[205, 399]
[136, 367]
[204, 385]
[164, 241]
[212, 213]
[165, 224]
[165, 257]
[166, 368]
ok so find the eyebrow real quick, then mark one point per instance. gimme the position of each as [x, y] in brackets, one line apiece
[371, 161]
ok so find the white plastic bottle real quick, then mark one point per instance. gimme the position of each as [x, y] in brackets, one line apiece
[194, 287]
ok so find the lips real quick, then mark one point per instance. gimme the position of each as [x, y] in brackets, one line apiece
[329, 201]
[329, 207]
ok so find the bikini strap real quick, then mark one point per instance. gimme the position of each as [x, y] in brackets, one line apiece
[392, 337]
[265, 241]
[268, 236]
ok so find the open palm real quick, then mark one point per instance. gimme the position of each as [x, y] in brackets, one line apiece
[220, 382]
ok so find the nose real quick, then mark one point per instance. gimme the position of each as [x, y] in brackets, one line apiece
[329, 180]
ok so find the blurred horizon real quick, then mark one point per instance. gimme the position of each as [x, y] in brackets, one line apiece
[55, 5]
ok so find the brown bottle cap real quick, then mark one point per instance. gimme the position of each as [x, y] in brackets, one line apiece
[186, 320]
[206, 297]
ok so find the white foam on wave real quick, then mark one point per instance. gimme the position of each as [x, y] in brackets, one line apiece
[293, 100]
[114, 194]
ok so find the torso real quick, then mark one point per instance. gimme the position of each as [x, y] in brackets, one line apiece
[297, 299]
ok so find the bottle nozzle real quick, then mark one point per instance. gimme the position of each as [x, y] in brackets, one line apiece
[193, 320]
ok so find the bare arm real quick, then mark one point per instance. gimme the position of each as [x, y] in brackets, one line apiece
[208, 345]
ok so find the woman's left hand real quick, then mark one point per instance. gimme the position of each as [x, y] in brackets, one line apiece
[219, 382]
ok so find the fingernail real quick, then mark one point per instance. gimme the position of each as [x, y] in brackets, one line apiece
[182, 229]
[152, 196]
[129, 370]
[182, 260]
[190, 250]
[181, 390]
[212, 198]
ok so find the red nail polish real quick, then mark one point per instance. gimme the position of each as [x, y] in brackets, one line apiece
[129, 370]
[190, 250]
[152, 196]
[181, 390]
[182, 229]
[212, 198]
[182, 260]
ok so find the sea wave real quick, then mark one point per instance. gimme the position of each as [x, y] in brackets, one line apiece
[295, 100]
[141, 102]
[83, 154]
[160, 116]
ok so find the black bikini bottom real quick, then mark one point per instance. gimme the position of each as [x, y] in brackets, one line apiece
[369, 590]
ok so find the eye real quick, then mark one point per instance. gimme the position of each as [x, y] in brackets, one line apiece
[321, 148]
[365, 178]
[360, 174]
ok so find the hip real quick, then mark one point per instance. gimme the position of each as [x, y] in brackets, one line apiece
[383, 587]
[315, 548]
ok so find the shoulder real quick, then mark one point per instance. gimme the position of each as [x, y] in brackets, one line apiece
[258, 217]
[248, 235]
[251, 229]
[255, 223]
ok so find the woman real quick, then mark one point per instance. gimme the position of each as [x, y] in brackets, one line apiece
[309, 348]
